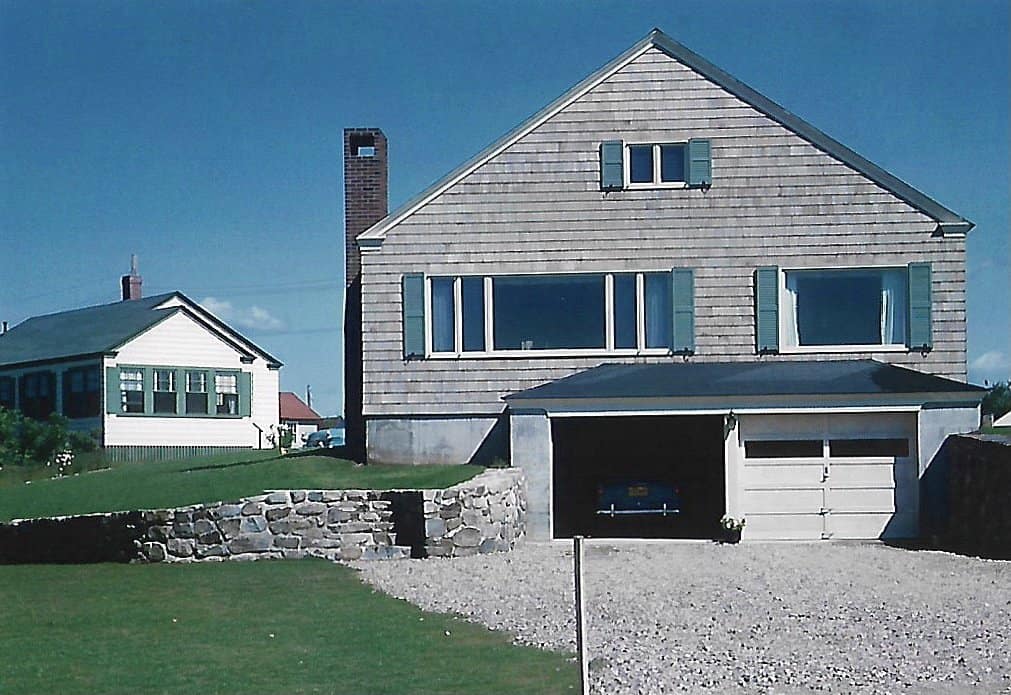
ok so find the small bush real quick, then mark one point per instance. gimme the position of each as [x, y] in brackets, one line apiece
[34, 443]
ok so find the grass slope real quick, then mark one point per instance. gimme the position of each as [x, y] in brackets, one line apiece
[277, 626]
[209, 479]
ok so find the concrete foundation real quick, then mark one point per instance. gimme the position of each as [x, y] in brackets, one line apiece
[530, 445]
[934, 426]
[455, 440]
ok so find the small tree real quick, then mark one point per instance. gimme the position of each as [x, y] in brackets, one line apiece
[997, 401]
[26, 442]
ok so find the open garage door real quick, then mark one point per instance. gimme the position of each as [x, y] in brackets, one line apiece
[638, 477]
[830, 476]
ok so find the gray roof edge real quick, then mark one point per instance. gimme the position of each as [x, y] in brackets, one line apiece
[946, 218]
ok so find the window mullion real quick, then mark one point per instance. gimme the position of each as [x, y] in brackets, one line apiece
[458, 315]
[656, 163]
[640, 313]
[489, 324]
[429, 314]
[609, 312]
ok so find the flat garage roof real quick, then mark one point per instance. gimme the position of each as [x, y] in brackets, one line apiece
[781, 378]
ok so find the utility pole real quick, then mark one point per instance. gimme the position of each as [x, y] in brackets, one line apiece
[584, 662]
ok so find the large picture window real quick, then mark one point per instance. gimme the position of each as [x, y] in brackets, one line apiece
[845, 307]
[629, 312]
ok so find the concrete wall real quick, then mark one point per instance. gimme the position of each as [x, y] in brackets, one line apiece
[531, 448]
[537, 207]
[934, 426]
[441, 440]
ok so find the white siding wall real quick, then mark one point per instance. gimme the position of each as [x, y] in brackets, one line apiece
[537, 207]
[179, 341]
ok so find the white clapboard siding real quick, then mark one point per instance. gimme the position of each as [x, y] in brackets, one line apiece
[181, 342]
[537, 207]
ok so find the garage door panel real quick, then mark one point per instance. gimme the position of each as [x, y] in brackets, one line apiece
[782, 475]
[783, 527]
[844, 500]
[785, 500]
[873, 474]
[882, 525]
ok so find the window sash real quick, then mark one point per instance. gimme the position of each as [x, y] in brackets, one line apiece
[636, 315]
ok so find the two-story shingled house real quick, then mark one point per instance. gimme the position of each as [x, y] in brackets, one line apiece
[664, 276]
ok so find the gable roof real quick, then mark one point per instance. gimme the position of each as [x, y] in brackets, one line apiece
[948, 221]
[294, 408]
[101, 329]
[744, 379]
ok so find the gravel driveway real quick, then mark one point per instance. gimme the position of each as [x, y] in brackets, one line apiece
[753, 618]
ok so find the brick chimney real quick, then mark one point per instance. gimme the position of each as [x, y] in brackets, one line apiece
[365, 203]
[131, 283]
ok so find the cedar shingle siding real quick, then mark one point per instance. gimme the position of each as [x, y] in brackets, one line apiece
[537, 206]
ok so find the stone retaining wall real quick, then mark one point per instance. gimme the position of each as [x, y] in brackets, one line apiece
[485, 514]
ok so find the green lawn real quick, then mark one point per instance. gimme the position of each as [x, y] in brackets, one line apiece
[209, 479]
[271, 626]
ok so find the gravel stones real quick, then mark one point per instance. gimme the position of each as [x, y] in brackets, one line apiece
[754, 618]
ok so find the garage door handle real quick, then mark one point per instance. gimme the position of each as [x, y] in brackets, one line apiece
[824, 472]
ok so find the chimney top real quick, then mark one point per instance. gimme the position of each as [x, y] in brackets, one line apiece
[131, 283]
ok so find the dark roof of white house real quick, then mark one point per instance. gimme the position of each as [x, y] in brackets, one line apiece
[744, 379]
[947, 220]
[96, 330]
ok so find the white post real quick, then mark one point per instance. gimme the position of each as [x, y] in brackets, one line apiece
[584, 662]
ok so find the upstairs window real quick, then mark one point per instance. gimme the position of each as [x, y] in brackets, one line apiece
[845, 307]
[656, 164]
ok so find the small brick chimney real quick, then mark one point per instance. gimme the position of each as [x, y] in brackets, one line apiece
[366, 194]
[131, 283]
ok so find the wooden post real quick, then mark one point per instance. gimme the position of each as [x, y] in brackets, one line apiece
[584, 662]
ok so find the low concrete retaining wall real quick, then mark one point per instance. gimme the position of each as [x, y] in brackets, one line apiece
[979, 516]
[485, 514]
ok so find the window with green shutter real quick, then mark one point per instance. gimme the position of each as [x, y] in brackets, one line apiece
[698, 163]
[612, 167]
[920, 307]
[683, 288]
[767, 309]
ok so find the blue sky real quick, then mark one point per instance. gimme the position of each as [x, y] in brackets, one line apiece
[206, 137]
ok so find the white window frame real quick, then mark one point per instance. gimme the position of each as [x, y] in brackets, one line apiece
[656, 182]
[786, 349]
[489, 320]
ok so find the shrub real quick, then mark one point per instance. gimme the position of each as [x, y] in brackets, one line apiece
[28, 442]
[997, 401]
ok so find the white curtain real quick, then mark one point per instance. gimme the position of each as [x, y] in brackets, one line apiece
[893, 306]
[791, 333]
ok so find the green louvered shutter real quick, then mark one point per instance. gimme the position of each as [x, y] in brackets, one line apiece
[683, 323]
[245, 394]
[767, 309]
[413, 296]
[113, 398]
[920, 335]
[612, 169]
[699, 163]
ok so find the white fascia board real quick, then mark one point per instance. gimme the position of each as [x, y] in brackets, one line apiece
[373, 236]
[225, 332]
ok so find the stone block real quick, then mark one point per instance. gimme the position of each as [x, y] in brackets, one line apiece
[202, 551]
[157, 533]
[293, 554]
[225, 511]
[154, 552]
[314, 495]
[229, 527]
[251, 508]
[467, 537]
[350, 552]
[465, 552]
[355, 538]
[356, 495]
[370, 516]
[253, 524]
[440, 549]
[472, 518]
[381, 538]
[448, 511]
[310, 508]
[297, 496]
[279, 527]
[349, 507]
[453, 523]
[430, 508]
[336, 516]
[182, 516]
[277, 513]
[182, 529]
[353, 527]
[180, 547]
[202, 526]
[209, 538]
[492, 545]
[250, 543]
[278, 497]
[290, 542]
[333, 495]
[435, 528]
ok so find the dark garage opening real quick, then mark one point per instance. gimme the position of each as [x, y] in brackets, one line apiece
[592, 454]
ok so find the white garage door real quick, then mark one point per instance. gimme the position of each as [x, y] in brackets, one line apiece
[830, 476]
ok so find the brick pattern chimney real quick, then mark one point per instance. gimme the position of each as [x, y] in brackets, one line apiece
[366, 195]
[131, 283]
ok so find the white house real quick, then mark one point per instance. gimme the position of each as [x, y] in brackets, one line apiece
[153, 377]
[664, 276]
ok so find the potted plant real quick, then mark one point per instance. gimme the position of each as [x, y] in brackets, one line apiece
[730, 529]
